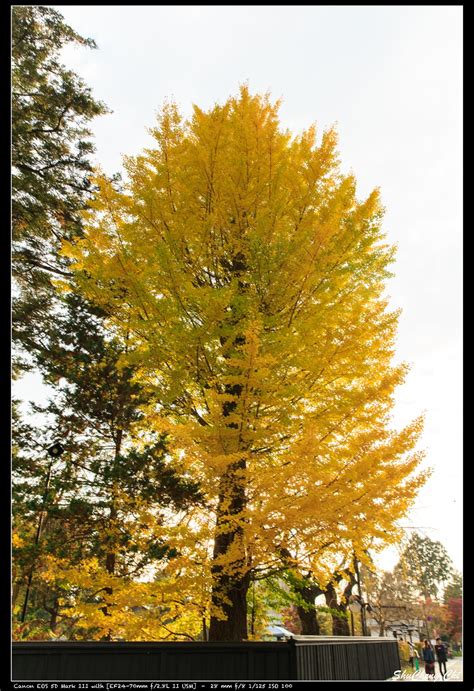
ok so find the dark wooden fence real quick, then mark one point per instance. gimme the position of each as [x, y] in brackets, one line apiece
[303, 657]
[345, 657]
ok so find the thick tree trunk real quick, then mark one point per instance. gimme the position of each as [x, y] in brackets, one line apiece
[308, 591]
[230, 581]
[343, 627]
[309, 621]
[234, 627]
[340, 625]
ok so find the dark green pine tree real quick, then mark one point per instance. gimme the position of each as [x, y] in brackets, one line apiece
[94, 403]
[51, 148]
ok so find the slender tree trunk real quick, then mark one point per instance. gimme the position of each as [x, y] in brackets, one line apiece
[15, 592]
[54, 611]
[359, 589]
[110, 568]
[111, 555]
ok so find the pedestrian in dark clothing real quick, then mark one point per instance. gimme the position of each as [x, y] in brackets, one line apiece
[429, 658]
[441, 654]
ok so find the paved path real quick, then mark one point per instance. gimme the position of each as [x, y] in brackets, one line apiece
[454, 668]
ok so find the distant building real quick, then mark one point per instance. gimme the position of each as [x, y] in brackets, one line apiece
[396, 629]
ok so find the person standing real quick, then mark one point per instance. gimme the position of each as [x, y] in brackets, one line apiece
[441, 654]
[413, 656]
[410, 659]
[416, 658]
[429, 658]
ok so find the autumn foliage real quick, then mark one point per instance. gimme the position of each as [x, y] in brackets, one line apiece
[248, 280]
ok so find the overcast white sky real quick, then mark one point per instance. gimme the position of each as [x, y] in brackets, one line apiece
[390, 77]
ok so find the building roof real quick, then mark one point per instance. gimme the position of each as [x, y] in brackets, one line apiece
[278, 631]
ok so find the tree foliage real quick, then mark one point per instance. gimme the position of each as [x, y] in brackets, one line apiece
[51, 150]
[107, 498]
[425, 564]
[249, 279]
[454, 606]
[453, 599]
[390, 597]
[454, 587]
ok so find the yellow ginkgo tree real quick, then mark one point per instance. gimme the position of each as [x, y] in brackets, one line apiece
[252, 278]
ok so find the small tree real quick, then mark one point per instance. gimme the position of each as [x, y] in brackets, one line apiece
[390, 598]
[425, 565]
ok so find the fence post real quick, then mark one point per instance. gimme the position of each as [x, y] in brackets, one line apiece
[294, 671]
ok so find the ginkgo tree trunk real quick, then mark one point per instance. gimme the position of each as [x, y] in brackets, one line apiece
[251, 279]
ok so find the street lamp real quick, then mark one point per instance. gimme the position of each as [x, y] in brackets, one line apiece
[358, 606]
[403, 631]
[354, 608]
[411, 629]
[54, 452]
[364, 605]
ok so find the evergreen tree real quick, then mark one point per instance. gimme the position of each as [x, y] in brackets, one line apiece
[101, 479]
[51, 164]
[425, 565]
